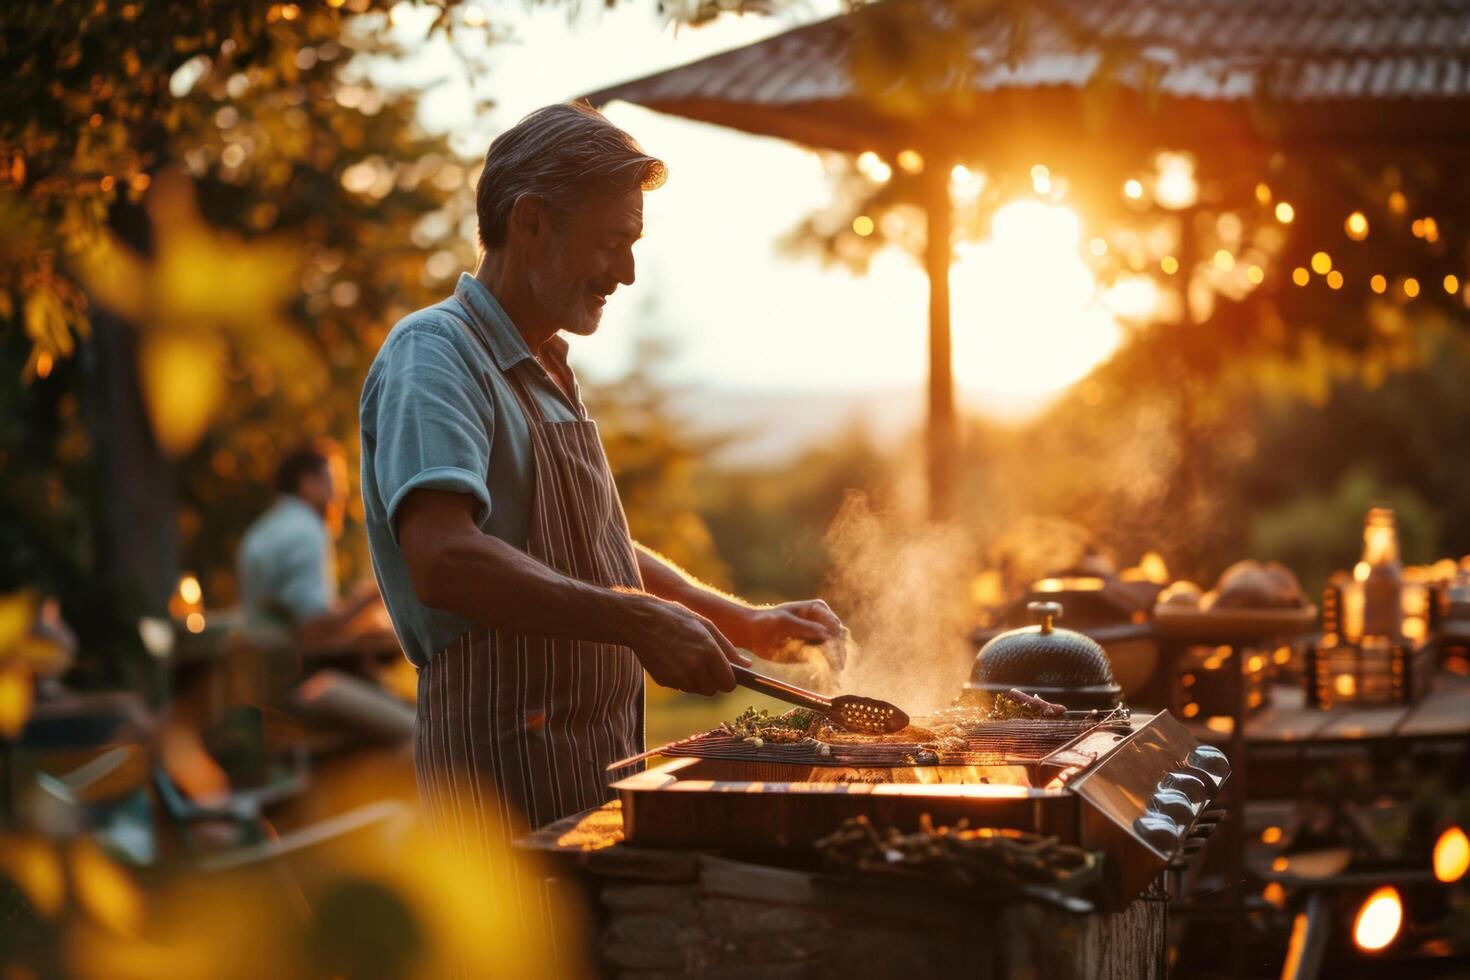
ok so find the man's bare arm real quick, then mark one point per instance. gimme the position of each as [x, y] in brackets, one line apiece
[333, 623]
[458, 568]
[760, 629]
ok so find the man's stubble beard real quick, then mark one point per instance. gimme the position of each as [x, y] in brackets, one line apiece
[563, 301]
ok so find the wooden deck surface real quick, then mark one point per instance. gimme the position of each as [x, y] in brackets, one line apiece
[1443, 713]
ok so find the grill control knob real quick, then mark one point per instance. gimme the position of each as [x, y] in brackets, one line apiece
[1158, 832]
[1191, 786]
[1174, 805]
[1210, 760]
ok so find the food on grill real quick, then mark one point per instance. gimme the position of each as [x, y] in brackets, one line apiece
[783, 729]
[982, 857]
[1252, 585]
[1181, 593]
[1027, 706]
[834, 734]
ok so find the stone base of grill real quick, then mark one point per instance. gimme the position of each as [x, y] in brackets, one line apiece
[680, 913]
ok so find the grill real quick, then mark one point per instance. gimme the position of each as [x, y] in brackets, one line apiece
[1135, 788]
[1019, 742]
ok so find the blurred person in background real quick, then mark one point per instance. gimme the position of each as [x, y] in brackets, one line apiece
[287, 566]
[496, 531]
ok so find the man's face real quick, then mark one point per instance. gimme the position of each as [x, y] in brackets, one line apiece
[578, 265]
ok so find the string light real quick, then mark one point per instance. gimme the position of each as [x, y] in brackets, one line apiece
[1300, 276]
[1321, 263]
[1040, 179]
[863, 225]
[1263, 194]
[1452, 284]
[1356, 226]
[1411, 287]
[1098, 247]
[1175, 188]
[1378, 284]
[1285, 213]
[1334, 279]
[1224, 261]
[1133, 189]
[1169, 264]
[1255, 274]
[873, 167]
[1397, 203]
[1431, 230]
[911, 161]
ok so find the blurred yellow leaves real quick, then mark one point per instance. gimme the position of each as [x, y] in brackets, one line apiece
[183, 380]
[105, 890]
[35, 866]
[384, 899]
[23, 654]
[17, 693]
[202, 293]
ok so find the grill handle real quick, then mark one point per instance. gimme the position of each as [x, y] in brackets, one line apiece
[780, 690]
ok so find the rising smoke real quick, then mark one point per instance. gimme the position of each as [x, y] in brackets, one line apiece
[901, 586]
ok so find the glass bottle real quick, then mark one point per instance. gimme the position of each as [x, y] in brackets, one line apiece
[1382, 576]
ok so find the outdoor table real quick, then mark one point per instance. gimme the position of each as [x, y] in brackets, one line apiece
[676, 912]
[1288, 736]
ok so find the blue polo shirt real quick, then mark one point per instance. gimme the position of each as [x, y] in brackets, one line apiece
[287, 570]
[438, 413]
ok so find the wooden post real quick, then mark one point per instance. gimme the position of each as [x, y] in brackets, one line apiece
[940, 442]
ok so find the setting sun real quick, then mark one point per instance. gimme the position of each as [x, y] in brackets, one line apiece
[1028, 320]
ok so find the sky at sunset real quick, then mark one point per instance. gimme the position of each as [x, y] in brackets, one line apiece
[710, 276]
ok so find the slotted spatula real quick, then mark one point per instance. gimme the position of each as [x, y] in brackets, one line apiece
[851, 711]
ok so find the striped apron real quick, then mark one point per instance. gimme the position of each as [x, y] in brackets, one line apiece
[514, 731]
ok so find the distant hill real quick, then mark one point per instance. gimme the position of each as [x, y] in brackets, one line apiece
[770, 427]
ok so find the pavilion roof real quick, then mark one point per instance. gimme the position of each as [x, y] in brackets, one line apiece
[1337, 71]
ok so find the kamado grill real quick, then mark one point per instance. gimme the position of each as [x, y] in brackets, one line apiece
[1136, 788]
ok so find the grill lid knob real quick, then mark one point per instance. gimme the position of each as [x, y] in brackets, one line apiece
[1056, 664]
[1174, 805]
[1158, 832]
[1210, 760]
[1191, 786]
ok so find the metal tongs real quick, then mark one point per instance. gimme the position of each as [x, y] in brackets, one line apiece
[867, 715]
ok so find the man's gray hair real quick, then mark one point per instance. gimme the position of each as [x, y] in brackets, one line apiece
[564, 154]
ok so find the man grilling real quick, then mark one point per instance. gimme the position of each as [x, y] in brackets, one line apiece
[497, 535]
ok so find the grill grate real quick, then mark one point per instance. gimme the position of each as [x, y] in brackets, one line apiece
[989, 743]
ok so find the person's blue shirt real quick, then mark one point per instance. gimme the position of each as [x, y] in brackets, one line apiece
[286, 567]
[438, 413]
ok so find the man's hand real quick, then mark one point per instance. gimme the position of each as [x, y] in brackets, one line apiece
[778, 633]
[681, 649]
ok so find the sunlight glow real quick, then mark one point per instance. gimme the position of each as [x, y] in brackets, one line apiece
[1027, 317]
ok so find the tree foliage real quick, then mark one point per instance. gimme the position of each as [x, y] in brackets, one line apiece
[230, 179]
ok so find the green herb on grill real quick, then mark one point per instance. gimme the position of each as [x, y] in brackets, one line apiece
[785, 728]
